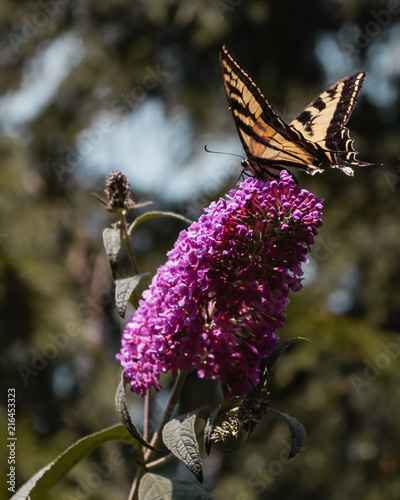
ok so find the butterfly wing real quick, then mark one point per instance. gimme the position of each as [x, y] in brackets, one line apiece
[317, 137]
[323, 121]
[269, 142]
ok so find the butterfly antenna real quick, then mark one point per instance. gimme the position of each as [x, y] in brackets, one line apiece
[222, 153]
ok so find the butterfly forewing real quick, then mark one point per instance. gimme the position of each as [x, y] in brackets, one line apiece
[246, 100]
[316, 138]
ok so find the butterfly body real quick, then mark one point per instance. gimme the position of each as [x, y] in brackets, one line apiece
[316, 138]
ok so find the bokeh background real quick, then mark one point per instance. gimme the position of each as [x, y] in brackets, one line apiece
[88, 87]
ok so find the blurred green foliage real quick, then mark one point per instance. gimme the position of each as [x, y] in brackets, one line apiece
[59, 327]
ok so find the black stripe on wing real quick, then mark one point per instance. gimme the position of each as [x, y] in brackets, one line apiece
[245, 99]
[352, 86]
[324, 120]
[269, 142]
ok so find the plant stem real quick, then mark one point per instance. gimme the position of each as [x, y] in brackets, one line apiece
[169, 409]
[147, 412]
[160, 461]
[149, 454]
[134, 493]
[126, 240]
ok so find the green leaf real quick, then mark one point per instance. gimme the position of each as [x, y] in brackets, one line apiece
[124, 289]
[52, 473]
[152, 215]
[123, 413]
[156, 487]
[270, 361]
[297, 431]
[143, 204]
[179, 436]
[100, 199]
[112, 245]
[276, 354]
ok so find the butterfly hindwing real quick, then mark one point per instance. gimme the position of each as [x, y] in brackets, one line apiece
[317, 137]
[323, 120]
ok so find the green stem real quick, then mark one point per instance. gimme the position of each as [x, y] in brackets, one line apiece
[160, 461]
[127, 242]
[147, 412]
[134, 493]
[169, 409]
[155, 442]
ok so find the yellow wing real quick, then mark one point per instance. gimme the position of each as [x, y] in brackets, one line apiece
[323, 120]
[267, 139]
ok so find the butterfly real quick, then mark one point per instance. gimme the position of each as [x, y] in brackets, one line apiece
[316, 138]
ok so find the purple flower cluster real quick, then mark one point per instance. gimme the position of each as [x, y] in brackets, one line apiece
[216, 305]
